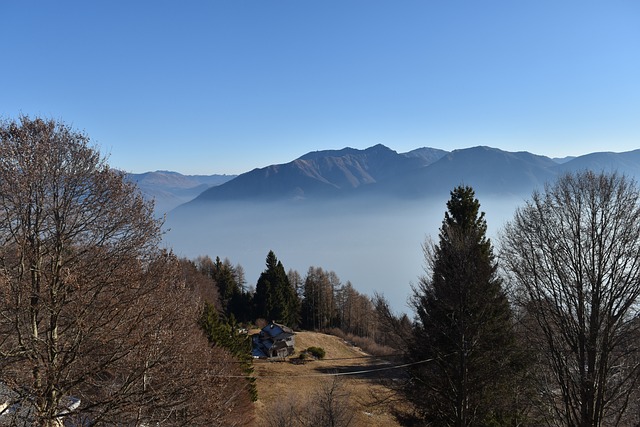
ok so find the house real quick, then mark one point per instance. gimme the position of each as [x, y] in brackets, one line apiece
[274, 340]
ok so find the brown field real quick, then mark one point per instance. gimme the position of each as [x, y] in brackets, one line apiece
[287, 383]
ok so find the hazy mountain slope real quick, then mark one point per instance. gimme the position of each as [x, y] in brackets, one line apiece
[561, 160]
[488, 170]
[374, 242]
[625, 163]
[171, 189]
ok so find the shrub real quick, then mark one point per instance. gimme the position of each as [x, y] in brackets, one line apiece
[317, 352]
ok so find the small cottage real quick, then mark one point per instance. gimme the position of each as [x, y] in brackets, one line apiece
[273, 341]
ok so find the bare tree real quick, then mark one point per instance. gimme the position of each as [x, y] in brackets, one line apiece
[328, 406]
[331, 405]
[574, 254]
[286, 411]
[95, 323]
[318, 305]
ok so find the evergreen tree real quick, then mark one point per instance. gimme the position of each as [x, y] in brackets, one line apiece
[226, 335]
[275, 298]
[224, 276]
[229, 280]
[463, 325]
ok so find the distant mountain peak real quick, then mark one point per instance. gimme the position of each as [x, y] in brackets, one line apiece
[347, 151]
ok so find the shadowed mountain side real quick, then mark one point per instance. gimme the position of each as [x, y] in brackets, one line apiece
[488, 170]
[351, 168]
[627, 163]
[381, 172]
[321, 174]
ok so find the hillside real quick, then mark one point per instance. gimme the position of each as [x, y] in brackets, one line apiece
[282, 385]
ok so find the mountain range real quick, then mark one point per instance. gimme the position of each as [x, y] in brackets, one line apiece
[379, 171]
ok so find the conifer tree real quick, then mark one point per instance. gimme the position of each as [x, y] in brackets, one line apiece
[227, 335]
[275, 298]
[463, 324]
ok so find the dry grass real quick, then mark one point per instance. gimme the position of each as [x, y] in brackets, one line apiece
[279, 382]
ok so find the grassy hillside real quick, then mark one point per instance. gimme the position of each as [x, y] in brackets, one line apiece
[286, 387]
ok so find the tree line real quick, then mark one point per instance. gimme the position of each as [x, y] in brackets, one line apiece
[317, 301]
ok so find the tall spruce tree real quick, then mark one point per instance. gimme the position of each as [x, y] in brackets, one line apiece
[463, 325]
[275, 298]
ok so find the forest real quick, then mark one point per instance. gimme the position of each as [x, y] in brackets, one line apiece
[101, 326]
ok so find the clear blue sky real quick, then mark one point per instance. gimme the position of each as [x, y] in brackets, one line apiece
[204, 87]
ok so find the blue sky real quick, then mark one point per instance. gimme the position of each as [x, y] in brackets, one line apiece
[203, 87]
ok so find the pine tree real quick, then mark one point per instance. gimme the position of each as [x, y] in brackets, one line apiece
[463, 324]
[275, 298]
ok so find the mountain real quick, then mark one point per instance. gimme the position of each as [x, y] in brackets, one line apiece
[489, 171]
[320, 174]
[563, 159]
[380, 171]
[428, 155]
[627, 163]
[171, 189]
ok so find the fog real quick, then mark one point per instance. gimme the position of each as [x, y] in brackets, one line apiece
[377, 246]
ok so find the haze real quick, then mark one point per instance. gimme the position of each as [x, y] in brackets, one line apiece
[376, 246]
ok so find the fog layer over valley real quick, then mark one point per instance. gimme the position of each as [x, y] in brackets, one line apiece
[376, 243]
[363, 214]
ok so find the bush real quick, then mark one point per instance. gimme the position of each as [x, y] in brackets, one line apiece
[317, 352]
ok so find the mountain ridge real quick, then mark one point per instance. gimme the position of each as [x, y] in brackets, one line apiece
[381, 171]
[378, 171]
